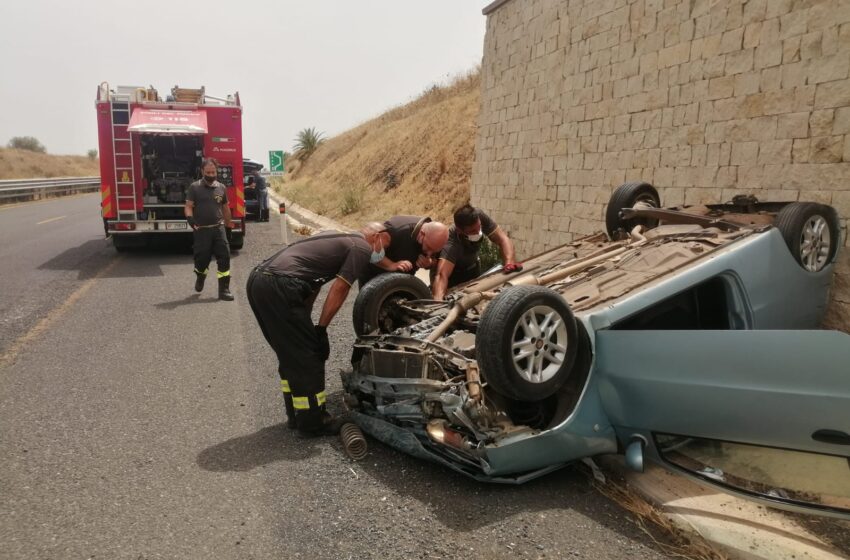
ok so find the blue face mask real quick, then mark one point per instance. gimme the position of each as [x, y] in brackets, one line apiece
[377, 257]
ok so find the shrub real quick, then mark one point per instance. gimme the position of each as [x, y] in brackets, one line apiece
[307, 141]
[29, 143]
[489, 255]
[92, 154]
[352, 200]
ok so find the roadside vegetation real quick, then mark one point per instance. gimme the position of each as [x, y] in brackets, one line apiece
[29, 143]
[28, 164]
[414, 159]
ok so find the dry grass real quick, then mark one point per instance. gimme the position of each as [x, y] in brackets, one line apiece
[306, 231]
[671, 540]
[413, 159]
[23, 164]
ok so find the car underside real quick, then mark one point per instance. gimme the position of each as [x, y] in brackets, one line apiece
[490, 380]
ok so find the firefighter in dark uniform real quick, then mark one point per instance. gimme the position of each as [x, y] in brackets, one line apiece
[262, 197]
[281, 291]
[414, 242]
[458, 262]
[208, 214]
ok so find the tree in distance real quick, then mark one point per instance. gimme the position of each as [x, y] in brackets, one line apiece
[307, 141]
[92, 154]
[29, 143]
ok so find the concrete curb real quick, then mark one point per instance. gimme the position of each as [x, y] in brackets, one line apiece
[735, 527]
[738, 528]
[322, 222]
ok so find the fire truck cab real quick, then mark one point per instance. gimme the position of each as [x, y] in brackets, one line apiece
[151, 151]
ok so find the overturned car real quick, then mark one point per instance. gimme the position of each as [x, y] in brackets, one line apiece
[684, 335]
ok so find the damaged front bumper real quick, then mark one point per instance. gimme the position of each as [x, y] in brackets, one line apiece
[428, 401]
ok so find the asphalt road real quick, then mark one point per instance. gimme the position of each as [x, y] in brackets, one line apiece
[141, 420]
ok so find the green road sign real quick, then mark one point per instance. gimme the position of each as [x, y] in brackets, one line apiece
[277, 161]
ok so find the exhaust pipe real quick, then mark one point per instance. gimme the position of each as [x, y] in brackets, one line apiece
[353, 441]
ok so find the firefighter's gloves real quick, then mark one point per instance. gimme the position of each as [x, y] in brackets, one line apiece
[192, 223]
[324, 343]
[512, 267]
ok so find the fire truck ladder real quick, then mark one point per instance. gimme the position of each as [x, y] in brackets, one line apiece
[122, 154]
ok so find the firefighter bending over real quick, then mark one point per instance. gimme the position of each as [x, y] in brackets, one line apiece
[459, 261]
[281, 291]
[208, 214]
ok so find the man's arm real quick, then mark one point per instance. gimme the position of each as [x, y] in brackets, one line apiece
[336, 297]
[506, 247]
[392, 266]
[189, 211]
[445, 268]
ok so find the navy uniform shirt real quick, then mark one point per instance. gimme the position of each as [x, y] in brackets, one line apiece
[403, 231]
[320, 258]
[463, 252]
[208, 201]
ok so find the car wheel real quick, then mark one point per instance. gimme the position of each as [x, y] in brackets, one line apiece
[237, 241]
[527, 343]
[630, 195]
[374, 306]
[811, 232]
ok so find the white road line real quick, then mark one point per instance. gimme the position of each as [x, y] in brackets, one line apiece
[50, 220]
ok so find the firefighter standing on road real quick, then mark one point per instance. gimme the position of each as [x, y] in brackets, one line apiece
[281, 291]
[262, 196]
[208, 214]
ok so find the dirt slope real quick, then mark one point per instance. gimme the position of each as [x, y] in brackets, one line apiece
[23, 164]
[414, 159]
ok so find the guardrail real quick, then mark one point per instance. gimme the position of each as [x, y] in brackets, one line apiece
[19, 190]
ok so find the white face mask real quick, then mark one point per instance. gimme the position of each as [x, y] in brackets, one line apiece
[475, 238]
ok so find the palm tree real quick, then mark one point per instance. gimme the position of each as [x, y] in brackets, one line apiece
[306, 142]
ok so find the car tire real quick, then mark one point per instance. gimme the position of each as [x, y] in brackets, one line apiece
[377, 297]
[509, 345]
[811, 232]
[237, 241]
[628, 195]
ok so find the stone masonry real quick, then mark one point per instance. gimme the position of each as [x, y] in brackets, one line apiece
[704, 99]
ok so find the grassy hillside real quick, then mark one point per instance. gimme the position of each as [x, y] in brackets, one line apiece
[414, 159]
[23, 164]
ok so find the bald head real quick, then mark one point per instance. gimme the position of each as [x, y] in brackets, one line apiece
[433, 237]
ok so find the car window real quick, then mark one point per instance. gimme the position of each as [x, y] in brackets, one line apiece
[716, 304]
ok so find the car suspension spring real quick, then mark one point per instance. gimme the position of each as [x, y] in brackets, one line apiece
[353, 441]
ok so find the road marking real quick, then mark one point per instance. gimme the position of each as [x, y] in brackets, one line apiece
[50, 220]
[9, 356]
[43, 201]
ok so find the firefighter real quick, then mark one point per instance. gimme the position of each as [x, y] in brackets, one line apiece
[459, 261]
[208, 214]
[413, 242]
[281, 291]
[262, 196]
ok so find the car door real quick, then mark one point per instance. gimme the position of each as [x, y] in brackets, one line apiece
[760, 414]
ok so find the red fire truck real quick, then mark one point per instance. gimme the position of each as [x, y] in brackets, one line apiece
[151, 150]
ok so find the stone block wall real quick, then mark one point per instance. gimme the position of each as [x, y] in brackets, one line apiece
[703, 98]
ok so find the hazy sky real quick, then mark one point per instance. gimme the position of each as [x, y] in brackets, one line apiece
[329, 64]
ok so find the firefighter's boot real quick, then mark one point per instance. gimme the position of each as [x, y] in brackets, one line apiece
[224, 289]
[316, 422]
[199, 281]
